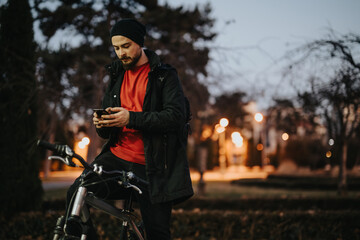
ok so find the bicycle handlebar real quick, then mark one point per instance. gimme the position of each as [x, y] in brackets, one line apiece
[47, 145]
[66, 154]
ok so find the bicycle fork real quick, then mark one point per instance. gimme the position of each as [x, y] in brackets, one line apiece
[78, 208]
[58, 232]
[79, 214]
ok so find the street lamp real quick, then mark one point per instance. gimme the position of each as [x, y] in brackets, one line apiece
[220, 129]
[237, 139]
[81, 147]
[259, 117]
[84, 142]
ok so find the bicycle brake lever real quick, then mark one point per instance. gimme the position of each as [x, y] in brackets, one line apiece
[129, 185]
[56, 158]
[65, 160]
[65, 149]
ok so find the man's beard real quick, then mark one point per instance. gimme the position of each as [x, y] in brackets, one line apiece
[131, 64]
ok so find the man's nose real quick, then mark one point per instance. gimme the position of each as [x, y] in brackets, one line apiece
[121, 53]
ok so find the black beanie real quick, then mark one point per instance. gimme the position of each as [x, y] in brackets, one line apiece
[131, 29]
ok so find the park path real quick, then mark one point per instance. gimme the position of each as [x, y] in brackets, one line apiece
[63, 179]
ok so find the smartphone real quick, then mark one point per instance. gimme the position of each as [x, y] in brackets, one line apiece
[100, 112]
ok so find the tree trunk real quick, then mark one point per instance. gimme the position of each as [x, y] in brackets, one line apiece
[342, 186]
[47, 163]
[21, 188]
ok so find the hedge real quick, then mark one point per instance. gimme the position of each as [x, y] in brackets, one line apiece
[299, 182]
[209, 224]
[274, 204]
[252, 203]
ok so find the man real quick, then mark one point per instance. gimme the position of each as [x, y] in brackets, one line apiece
[146, 128]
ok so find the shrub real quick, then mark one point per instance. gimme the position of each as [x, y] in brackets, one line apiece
[306, 152]
[209, 224]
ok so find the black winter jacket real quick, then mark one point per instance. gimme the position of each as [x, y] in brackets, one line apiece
[163, 126]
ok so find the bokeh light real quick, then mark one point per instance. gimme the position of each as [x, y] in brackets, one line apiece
[258, 117]
[224, 122]
[285, 136]
[237, 139]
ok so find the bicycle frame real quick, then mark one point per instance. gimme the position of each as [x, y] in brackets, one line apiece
[111, 210]
[78, 211]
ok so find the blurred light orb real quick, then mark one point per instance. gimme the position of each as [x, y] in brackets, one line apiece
[235, 135]
[224, 122]
[331, 141]
[237, 139]
[81, 145]
[260, 147]
[219, 129]
[328, 154]
[258, 117]
[285, 136]
[206, 133]
[85, 140]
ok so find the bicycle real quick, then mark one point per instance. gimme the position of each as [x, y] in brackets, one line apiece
[131, 228]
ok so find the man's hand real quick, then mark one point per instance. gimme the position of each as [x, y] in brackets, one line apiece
[119, 117]
[96, 120]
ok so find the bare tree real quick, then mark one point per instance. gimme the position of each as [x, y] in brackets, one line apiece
[332, 70]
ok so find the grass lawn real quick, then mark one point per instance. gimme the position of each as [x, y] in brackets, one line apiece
[215, 189]
[55, 194]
